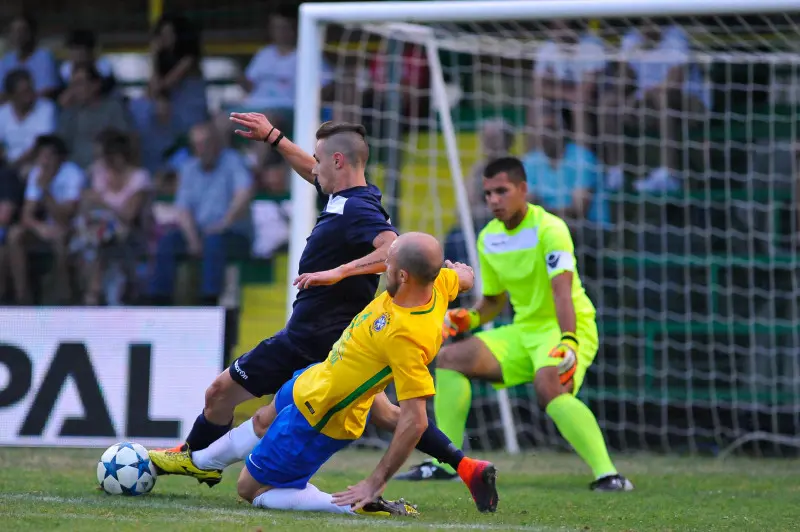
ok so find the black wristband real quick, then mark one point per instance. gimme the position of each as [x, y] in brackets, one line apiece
[570, 336]
[266, 139]
[277, 139]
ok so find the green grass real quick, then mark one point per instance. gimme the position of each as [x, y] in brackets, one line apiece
[54, 489]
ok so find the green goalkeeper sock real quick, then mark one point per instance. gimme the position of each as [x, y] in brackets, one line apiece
[451, 405]
[579, 427]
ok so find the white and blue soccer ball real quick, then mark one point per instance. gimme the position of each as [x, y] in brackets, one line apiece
[125, 469]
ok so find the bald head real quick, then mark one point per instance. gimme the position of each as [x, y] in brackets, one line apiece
[420, 255]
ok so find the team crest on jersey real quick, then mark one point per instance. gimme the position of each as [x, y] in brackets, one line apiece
[382, 321]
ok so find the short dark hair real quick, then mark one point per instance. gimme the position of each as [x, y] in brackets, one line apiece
[285, 11]
[90, 69]
[81, 38]
[53, 142]
[115, 142]
[353, 139]
[509, 165]
[14, 78]
[29, 21]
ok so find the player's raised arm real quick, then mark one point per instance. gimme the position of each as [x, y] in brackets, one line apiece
[260, 129]
[466, 275]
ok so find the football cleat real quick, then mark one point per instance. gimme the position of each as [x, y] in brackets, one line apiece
[610, 483]
[427, 470]
[170, 462]
[480, 477]
[383, 508]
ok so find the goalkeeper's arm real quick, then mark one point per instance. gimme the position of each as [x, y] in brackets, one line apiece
[461, 320]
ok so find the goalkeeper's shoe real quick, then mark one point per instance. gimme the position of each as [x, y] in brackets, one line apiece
[611, 483]
[480, 477]
[427, 470]
[383, 508]
[172, 462]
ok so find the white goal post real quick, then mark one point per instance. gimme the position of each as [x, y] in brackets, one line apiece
[411, 19]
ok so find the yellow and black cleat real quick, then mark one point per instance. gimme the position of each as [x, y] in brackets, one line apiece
[383, 508]
[173, 462]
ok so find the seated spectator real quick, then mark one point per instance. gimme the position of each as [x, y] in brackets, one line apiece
[158, 130]
[25, 54]
[51, 202]
[23, 119]
[564, 177]
[110, 221]
[669, 96]
[81, 46]
[271, 76]
[175, 50]
[565, 75]
[214, 195]
[90, 113]
[271, 210]
[11, 191]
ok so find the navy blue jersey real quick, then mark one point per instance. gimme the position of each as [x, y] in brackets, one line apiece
[344, 232]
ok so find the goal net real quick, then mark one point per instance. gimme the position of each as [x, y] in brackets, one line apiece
[664, 132]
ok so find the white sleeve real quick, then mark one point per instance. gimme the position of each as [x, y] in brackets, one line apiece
[546, 58]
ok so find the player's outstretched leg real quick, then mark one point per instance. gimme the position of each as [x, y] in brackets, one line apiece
[576, 422]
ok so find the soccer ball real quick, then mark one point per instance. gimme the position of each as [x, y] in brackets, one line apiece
[125, 468]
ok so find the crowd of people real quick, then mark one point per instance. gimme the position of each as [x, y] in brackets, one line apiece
[88, 174]
[84, 167]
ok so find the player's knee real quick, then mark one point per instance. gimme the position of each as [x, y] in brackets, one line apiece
[547, 385]
[217, 395]
[262, 419]
[244, 487]
[448, 358]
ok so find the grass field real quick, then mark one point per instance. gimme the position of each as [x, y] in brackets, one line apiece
[54, 489]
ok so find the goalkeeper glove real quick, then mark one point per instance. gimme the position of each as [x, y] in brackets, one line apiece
[460, 320]
[567, 351]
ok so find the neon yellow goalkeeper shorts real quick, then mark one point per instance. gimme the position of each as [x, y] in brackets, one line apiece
[522, 350]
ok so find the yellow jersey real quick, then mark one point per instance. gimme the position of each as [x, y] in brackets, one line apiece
[384, 343]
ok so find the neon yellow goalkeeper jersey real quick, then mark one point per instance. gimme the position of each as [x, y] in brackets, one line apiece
[524, 260]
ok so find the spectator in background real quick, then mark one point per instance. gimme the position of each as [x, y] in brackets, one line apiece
[81, 50]
[51, 202]
[111, 218]
[271, 76]
[565, 77]
[175, 50]
[564, 177]
[25, 54]
[214, 194]
[90, 113]
[158, 130]
[669, 96]
[496, 139]
[23, 119]
[11, 190]
[271, 210]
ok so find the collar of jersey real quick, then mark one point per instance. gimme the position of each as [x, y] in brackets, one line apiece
[421, 309]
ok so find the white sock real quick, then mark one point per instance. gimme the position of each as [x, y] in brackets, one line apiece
[233, 447]
[309, 499]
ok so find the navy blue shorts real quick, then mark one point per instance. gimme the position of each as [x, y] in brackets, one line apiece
[291, 451]
[265, 368]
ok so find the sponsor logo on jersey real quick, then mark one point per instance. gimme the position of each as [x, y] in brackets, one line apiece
[552, 260]
[239, 370]
[382, 321]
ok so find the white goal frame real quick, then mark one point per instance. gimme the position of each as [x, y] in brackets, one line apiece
[314, 16]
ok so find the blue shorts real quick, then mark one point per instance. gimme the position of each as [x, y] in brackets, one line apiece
[291, 451]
